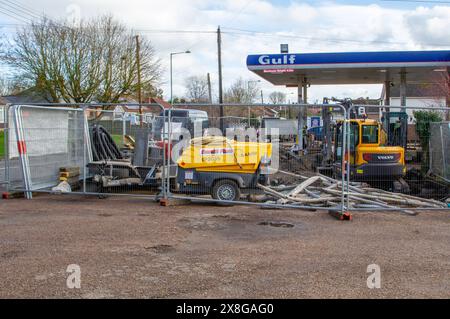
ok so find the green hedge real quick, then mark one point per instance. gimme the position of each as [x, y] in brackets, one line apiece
[117, 139]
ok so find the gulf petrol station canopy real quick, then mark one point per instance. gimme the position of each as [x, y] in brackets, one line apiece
[350, 67]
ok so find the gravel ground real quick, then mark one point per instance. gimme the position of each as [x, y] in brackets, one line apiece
[135, 248]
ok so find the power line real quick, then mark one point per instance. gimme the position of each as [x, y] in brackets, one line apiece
[253, 33]
[16, 9]
[175, 31]
[21, 13]
[15, 6]
[13, 16]
[26, 8]
[15, 13]
[238, 14]
[418, 1]
[152, 31]
[243, 32]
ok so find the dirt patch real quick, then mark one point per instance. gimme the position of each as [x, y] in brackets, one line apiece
[201, 224]
[277, 224]
[161, 249]
[105, 215]
[206, 251]
[11, 254]
[240, 227]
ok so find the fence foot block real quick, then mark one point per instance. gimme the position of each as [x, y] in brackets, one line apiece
[164, 202]
[9, 195]
[341, 216]
[173, 202]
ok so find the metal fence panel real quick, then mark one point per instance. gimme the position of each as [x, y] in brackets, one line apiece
[231, 154]
[225, 161]
[115, 154]
[52, 144]
[52, 138]
[388, 168]
[439, 149]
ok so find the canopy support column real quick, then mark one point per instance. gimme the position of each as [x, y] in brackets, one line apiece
[403, 91]
[387, 93]
[302, 92]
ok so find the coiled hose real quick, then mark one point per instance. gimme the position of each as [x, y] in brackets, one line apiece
[103, 146]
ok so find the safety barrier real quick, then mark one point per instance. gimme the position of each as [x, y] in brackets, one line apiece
[50, 144]
[228, 164]
[408, 172]
[440, 149]
[317, 157]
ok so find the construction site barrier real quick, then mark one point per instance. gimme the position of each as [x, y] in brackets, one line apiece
[333, 157]
[407, 173]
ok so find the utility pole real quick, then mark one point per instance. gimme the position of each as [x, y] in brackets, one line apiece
[219, 59]
[138, 62]
[208, 79]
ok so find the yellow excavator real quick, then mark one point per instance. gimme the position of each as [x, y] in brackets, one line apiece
[370, 159]
[222, 167]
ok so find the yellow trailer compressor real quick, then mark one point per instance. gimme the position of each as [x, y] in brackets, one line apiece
[222, 167]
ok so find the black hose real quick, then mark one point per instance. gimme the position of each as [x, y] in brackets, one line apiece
[112, 145]
[95, 154]
[103, 146]
[103, 155]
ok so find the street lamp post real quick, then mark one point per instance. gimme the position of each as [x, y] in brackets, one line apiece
[171, 72]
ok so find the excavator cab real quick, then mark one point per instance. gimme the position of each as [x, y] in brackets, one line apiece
[395, 125]
[370, 161]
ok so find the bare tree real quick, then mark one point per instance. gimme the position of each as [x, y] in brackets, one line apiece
[197, 89]
[277, 97]
[9, 87]
[5, 87]
[242, 91]
[442, 88]
[95, 60]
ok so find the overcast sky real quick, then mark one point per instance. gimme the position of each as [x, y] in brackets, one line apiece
[256, 27]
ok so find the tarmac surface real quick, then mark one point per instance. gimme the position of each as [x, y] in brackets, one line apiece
[130, 248]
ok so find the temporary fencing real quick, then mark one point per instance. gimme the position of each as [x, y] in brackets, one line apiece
[317, 157]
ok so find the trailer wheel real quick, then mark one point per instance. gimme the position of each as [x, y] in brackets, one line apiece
[226, 189]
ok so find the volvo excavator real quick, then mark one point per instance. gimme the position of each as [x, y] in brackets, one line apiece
[372, 157]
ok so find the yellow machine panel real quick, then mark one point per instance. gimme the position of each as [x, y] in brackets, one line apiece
[219, 154]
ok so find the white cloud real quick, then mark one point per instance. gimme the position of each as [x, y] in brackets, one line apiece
[429, 25]
[326, 27]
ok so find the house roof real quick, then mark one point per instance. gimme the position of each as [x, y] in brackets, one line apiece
[30, 95]
[132, 105]
[161, 102]
[421, 90]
